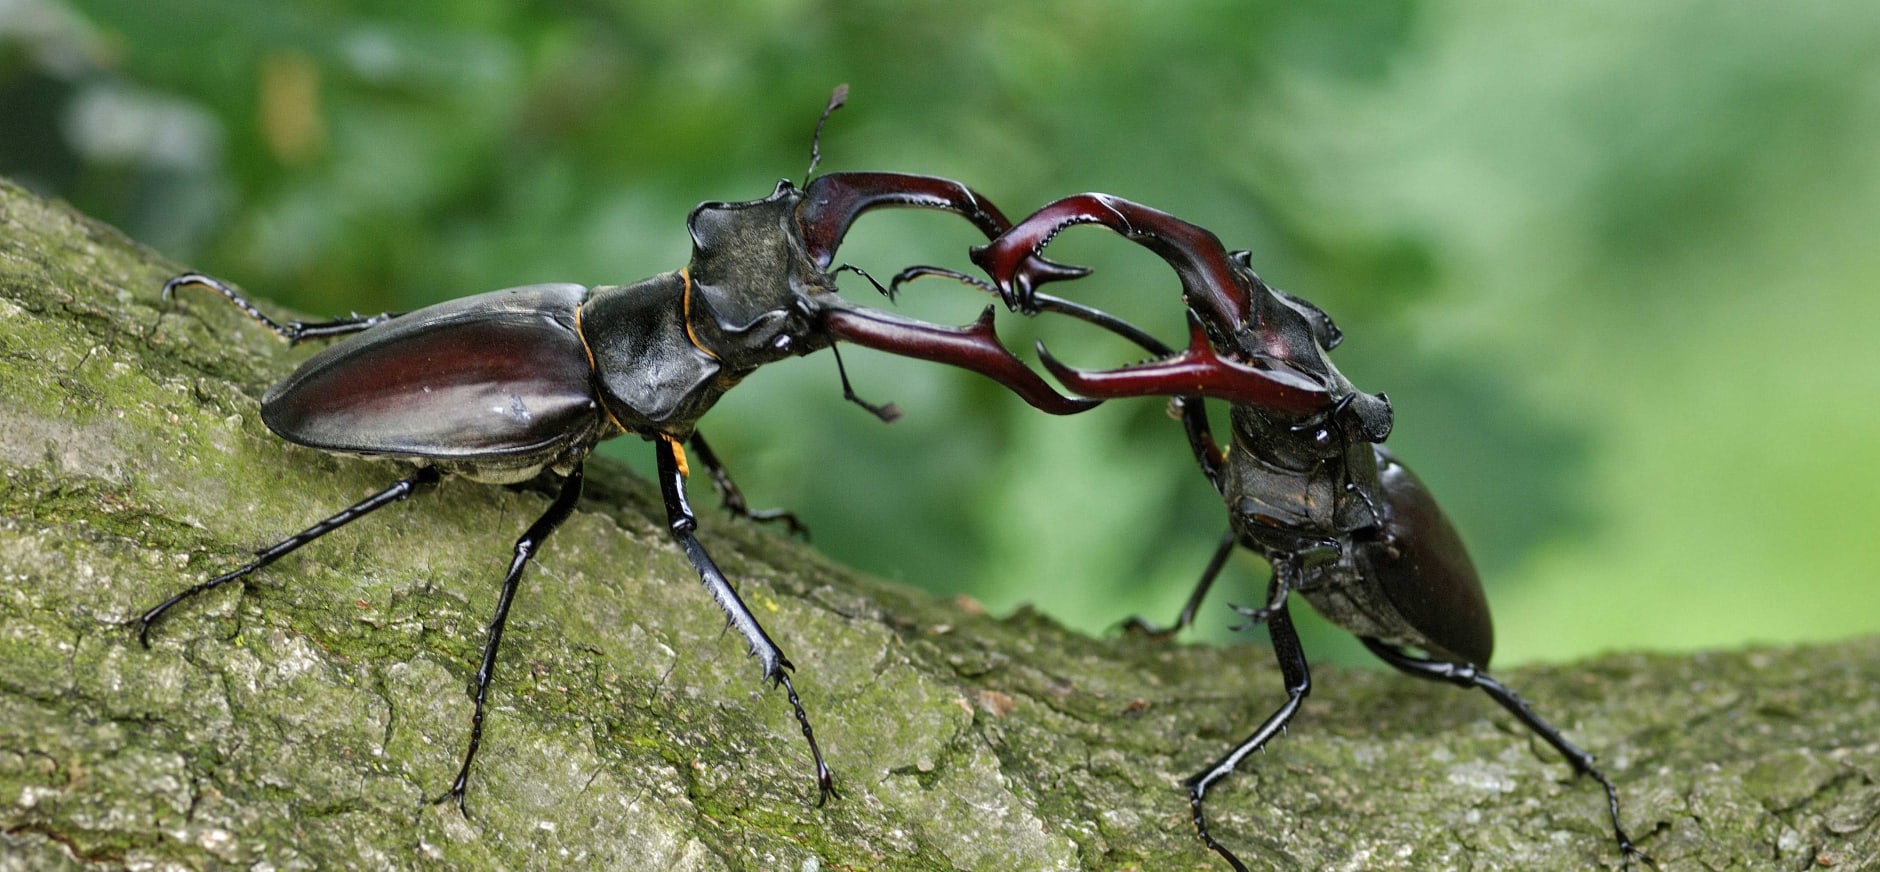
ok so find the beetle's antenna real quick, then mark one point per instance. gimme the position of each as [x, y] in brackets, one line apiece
[887, 412]
[837, 97]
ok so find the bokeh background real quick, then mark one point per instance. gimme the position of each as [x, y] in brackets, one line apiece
[1615, 263]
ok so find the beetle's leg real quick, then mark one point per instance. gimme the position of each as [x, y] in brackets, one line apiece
[733, 499]
[832, 202]
[1208, 454]
[887, 412]
[684, 524]
[305, 330]
[526, 546]
[1467, 676]
[239, 301]
[1186, 619]
[893, 290]
[1292, 668]
[294, 332]
[399, 490]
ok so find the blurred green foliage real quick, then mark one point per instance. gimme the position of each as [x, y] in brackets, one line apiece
[1613, 262]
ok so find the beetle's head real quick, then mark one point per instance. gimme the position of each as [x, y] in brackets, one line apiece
[753, 289]
[1284, 332]
[757, 296]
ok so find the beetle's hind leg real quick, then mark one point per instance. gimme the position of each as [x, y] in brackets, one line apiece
[294, 332]
[399, 490]
[1466, 676]
[684, 524]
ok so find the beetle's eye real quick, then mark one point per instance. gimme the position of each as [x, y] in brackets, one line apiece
[782, 343]
[1322, 438]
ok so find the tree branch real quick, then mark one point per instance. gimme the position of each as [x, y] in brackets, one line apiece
[304, 717]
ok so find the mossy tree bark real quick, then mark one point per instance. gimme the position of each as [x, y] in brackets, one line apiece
[305, 718]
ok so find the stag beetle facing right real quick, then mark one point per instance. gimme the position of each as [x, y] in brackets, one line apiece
[1340, 519]
[501, 386]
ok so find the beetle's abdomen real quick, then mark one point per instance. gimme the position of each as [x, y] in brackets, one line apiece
[498, 380]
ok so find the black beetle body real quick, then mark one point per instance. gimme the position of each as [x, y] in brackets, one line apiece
[1340, 519]
[501, 386]
[498, 386]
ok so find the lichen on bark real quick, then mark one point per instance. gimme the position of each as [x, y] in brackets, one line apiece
[304, 719]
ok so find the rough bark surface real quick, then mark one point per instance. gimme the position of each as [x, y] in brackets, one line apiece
[304, 719]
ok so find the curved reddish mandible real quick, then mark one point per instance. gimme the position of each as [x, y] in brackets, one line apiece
[1198, 370]
[832, 202]
[1210, 283]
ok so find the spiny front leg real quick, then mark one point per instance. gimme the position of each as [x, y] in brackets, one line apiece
[684, 524]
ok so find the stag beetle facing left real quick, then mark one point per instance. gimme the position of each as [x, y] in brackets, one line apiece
[501, 386]
[1341, 521]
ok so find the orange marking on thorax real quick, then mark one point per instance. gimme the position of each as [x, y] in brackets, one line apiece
[685, 273]
[582, 335]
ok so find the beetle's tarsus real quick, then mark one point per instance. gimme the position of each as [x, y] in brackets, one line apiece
[295, 332]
